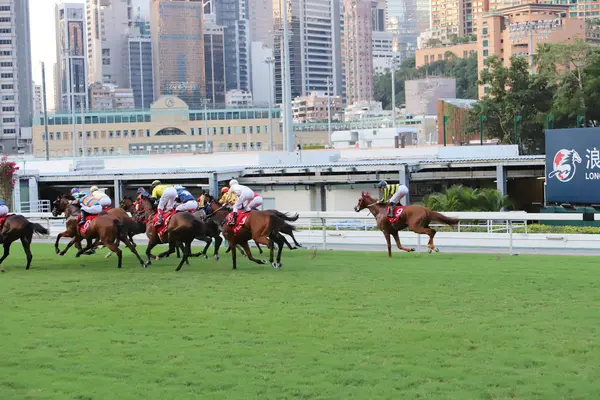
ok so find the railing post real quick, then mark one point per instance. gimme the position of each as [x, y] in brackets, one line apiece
[323, 221]
[418, 242]
[510, 238]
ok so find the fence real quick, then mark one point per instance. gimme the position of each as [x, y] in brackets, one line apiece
[503, 231]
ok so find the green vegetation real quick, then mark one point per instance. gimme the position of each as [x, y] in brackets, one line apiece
[342, 325]
[463, 198]
[463, 69]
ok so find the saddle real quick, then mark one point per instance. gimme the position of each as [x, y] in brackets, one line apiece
[162, 230]
[242, 216]
[3, 220]
[397, 214]
[86, 225]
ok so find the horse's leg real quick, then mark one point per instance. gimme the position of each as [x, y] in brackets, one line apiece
[233, 254]
[186, 253]
[208, 241]
[26, 242]
[173, 247]
[389, 243]
[90, 245]
[115, 249]
[58, 237]
[258, 247]
[294, 239]
[426, 231]
[218, 242]
[279, 251]
[397, 239]
[285, 241]
[7, 244]
[75, 241]
[246, 247]
[133, 249]
[149, 255]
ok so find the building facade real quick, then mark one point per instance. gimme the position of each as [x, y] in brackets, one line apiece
[71, 55]
[402, 22]
[177, 31]
[430, 55]
[108, 26]
[383, 51]
[16, 88]
[314, 108]
[232, 15]
[422, 94]
[106, 97]
[214, 59]
[358, 48]
[263, 80]
[169, 126]
[37, 100]
[141, 73]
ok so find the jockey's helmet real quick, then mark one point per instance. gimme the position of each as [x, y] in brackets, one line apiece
[224, 190]
[74, 191]
[155, 182]
[382, 184]
[141, 190]
[93, 189]
[233, 182]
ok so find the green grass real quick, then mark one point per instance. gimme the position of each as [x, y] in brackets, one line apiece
[346, 325]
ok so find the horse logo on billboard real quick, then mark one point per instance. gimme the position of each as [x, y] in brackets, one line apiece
[564, 165]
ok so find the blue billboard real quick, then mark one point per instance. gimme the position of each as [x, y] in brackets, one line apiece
[573, 165]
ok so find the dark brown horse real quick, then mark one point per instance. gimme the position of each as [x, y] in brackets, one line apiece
[416, 218]
[18, 227]
[182, 229]
[262, 227]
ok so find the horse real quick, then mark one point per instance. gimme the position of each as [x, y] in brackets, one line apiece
[18, 227]
[182, 229]
[219, 214]
[63, 205]
[416, 218]
[262, 227]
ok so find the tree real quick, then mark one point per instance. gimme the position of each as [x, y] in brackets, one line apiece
[512, 92]
[461, 198]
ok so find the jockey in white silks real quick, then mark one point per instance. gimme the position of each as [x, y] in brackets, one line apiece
[101, 196]
[244, 194]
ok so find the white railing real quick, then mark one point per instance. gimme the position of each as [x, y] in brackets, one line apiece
[40, 206]
[498, 230]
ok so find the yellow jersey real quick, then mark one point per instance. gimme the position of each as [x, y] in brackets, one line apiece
[389, 191]
[158, 190]
[228, 198]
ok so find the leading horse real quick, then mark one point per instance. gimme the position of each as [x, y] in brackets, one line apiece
[416, 218]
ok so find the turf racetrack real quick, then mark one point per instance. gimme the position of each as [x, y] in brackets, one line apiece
[343, 325]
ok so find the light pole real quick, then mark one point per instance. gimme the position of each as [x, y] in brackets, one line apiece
[393, 70]
[71, 87]
[45, 112]
[287, 83]
[329, 109]
[83, 138]
[206, 101]
[270, 61]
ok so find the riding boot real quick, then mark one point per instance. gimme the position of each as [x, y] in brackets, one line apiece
[159, 222]
[82, 217]
[391, 210]
[234, 219]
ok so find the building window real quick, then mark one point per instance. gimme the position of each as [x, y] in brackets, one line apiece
[7, 120]
[6, 41]
[222, 130]
[11, 131]
[192, 131]
[133, 133]
[214, 130]
[250, 127]
[125, 133]
[5, 30]
[95, 134]
[229, 130]
[6, 64]
[484, 31]
[199, 131]
[8, 109]
[485, 53]
[4, 8]
[110, 134]
[51, 135]
[243, 130]
[118, 134]
[258, 129]
[485, 43]
[7, 87]
[259, 146]
[147, 132]
[57, 135]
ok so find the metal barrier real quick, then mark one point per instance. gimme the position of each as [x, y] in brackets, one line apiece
[480, 229]
[40, 206]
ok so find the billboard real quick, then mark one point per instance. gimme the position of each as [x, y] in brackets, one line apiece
[573, 165]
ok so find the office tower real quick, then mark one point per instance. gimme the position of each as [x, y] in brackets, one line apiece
[141, 74]
[71, 56]
[214, 60]
[358, 48]
[379, 15]
[260, 15]
[108, 24]
[232, 15]
[37, 101]
[177, 32]
[16, 90]
[402, 22]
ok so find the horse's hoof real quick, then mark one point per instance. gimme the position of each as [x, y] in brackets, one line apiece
[147, 264]
[205, 257]
[263, 262]
[217, 258]
[412, 250]
[57, 251]
[156, 258]
[2, 270]
[436, 250]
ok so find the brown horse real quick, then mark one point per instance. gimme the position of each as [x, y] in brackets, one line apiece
[63, 205]
[182, 229]
[262, 227]
[416, 218]
[18, 227]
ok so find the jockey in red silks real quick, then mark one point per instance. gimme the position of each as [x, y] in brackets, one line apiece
[244, 194]
[255, 203]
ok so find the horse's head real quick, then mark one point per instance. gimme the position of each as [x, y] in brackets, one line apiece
[365, 201]
[56, 207]
[127, 204]
[61, 204]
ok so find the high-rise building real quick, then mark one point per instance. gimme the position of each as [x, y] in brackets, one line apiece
[315, 47]
[177, 31]
[107, 97]
[358, 60]
[16, 91]
[37, 100]
[141, 75]
[260, 15]
[108, 24]
[232, 16]
[402, 22]
[261, 69]
[214, 60]
[383, 51]
[295, 58]
[71, 56]
[379, 15]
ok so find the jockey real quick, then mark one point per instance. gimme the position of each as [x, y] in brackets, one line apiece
[186, 200]
[244, 194]
[102, 197]
[3, 208]
[392, 194]
[255, 203]
[202, 200]
[89, 205]
[167, 195]
[229, 198]
[75, 192]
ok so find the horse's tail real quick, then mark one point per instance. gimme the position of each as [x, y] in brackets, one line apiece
[289, 227]
[37, 228]
[286, 216]
[436, 216]
[277, 223]
[119, 229]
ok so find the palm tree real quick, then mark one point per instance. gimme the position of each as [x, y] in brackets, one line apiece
[461, 198]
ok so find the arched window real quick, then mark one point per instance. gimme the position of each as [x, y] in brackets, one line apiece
[170, 132]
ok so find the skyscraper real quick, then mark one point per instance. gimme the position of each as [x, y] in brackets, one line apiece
[108, 24]
[177, 31]
[402, 22]
[358, 47]
[16, 89]
[232, 16]
[214, 59]
[141, 74]
[260, 15]
[71, 56]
